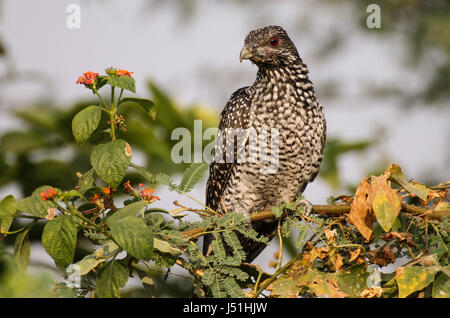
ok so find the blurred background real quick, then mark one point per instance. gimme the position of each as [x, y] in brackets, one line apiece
[385, 90]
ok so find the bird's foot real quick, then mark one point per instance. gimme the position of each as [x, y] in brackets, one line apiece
[306, 205]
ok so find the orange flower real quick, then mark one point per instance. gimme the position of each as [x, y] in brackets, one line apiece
[124, 73]
[147, 195]
[95, 198]
[48, 194]
[107, 190]
[88, 78]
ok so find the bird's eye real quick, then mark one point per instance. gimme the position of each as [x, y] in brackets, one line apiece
[274, 41]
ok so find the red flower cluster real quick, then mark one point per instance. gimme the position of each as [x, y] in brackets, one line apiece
[88, 78]
[124, 73]
[147, 195]
[48, 194]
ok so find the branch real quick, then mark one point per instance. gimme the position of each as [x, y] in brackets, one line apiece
[334, 211]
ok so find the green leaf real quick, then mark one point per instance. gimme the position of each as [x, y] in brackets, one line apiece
[86, 181]
[353, 280]
[7, 210]
[386, 202]
[147, 282]
[35, 205]
[130, 210]
[59, 239]
[441, 287]
[125, 82]
[8, 206]
[111, 161]
[232, 241]
[111, 279]
[301, 239]
[232, 288]
[22, 250]
[85, 123]
[165, 247]
[208, 277]
[396, 175]
[192, 175]
[133, 236]
[218, 248]
[147, 104]
[413, 278]
[99, 256]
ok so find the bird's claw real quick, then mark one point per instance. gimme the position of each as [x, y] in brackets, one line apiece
[306, 205]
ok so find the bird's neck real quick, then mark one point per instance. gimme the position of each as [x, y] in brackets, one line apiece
[294, 75]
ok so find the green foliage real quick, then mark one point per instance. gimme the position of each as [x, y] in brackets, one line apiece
[333, 251]
[191, 176]
[59, 239]
[112, 278]
[85, 123]
[132, 235]
[111, 161]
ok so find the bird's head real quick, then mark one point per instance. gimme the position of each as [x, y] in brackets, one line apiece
[269, 46]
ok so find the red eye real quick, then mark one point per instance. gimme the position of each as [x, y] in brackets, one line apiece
[274, 41]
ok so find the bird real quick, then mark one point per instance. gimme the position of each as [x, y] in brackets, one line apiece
[282, 103]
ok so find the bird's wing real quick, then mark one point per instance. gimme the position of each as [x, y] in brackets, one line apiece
[235, 115]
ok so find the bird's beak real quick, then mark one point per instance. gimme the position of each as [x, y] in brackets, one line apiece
[246, 53]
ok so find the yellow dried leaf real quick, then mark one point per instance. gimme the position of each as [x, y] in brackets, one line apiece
[361, 215]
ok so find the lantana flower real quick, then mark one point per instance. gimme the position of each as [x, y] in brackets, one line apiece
[48, 194]
[124, 73]
[88, 78]
[147, 195]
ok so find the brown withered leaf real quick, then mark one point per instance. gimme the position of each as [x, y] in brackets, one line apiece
[382, 258]
[361, 215]
[330, 235]
[402, 237]
[374, 292]
[354, 254]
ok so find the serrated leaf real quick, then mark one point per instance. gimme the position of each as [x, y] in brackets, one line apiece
[22, 250]
[192, 175]
[7, 210]
[129, 210]
[147, 104]
[59, 239]
[125, 82]
[133, 236]
[111, 161]
[111, 279]
[413, 278]
[85, 123]
[35, 205]
[86, 181]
